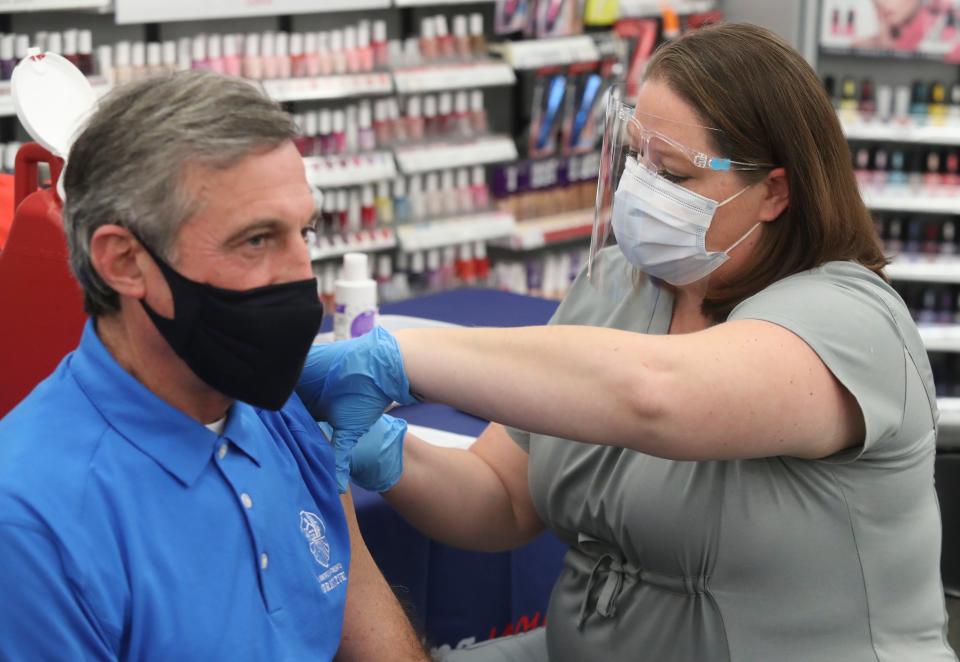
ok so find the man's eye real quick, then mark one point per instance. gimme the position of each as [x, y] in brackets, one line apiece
[257, 240]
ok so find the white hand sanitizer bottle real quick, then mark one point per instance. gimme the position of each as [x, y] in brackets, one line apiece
[356, 299]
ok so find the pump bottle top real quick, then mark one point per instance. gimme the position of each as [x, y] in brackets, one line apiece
[355, 267]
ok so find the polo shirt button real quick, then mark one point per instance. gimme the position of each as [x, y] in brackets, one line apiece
[222, 453]
[264, 560]
[246, 500]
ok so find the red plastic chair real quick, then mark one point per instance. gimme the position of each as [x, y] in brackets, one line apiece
[41, 305]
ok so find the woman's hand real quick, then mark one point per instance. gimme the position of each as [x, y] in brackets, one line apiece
[376, 462]
[349, 384]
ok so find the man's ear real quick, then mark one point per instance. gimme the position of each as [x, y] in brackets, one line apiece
[115, 254]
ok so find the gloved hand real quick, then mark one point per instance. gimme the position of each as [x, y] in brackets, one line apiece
[349, 384]
[377, 460]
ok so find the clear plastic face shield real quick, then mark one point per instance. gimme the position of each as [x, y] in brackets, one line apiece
[648, 203]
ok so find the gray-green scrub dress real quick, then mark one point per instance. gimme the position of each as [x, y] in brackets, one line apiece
[833, 560]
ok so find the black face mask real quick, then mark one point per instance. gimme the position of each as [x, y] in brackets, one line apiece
[249, 345]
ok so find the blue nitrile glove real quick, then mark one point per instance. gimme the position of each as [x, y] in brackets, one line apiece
[349, 384]
[377, 460]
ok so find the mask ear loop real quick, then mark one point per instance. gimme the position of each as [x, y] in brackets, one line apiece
[752, 228]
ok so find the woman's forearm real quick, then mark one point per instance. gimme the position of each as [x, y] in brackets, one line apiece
[455, 496]
[556, 380]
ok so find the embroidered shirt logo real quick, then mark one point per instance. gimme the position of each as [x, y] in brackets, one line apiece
[313, 530]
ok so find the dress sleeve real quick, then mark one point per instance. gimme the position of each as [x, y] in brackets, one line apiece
[45, 616]
[850, 323]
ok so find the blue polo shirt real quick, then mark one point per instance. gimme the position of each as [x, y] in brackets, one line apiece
[128, 530]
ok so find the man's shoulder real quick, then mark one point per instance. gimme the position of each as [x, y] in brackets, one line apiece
[45, 443]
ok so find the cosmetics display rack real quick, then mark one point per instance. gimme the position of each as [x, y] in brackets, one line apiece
[538, 53]
[486, 149]
[920, 202]
[641, 8]
[100, 87]
[12, 6]
[323, 88]
[337, 171]
[940, 338]
[455, 76]
[929, 270]
[364, 241]
[453, 231]
[437, 3]
[946, 132]
[537, 233]
[949, 422]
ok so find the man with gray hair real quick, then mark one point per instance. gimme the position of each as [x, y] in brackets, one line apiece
[163, 495]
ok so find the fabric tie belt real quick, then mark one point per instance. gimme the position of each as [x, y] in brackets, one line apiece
[610, 572]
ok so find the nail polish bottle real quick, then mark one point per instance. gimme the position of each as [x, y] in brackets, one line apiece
[105, 63]
[431, 125]
[836, 25]
[949, 32]
[919, 96]
[916, 169]
[339, 132]
[232, 62]
[881, 163]
[382, 126]
[448, 194]
[199, 53]
[325, 57]
[434, 274]
[928, 311]
[937, 108]
[155, 59]
[354, 218]
[433, 199]
[185, 54]
[384, 203]
[478, 112]
[417, 199]
[401, 203]
[368, 208]
[848, 95]
[298, 58]
[364, 49]
[215, 56]
[481, 192]
[121, 63]
[85, 52]
[7, 58]
[311, 55]
[396, 125]
[478, 41]
[913, 242]
[446, 124]
[901, 104]
[352, 130]
[461, 38]
[954, 109]
[343, 205]
[868, 100]
[894, 243]
[897, 175]
[268, 55]
[428, 40]
[40, 41]
[412, 55]
[464, 192]
[932, 176]
[350, 49]
[884, 103]
[417, 277]
[463, 126]
[138, 60]
[326, 144]
[851, 27]
[367, 140]
[948, 246]
[861, 166]
[328, 215]
[482, 262]
[54, 43]
[466, 265]
[951, 171]
[337, 52]
[945, 312]
[302, 142]
[380, 44]
[312, 131]
[282, 55]
[415, 126]
[931, 239]
[70, 47]
[252, 62]
[448, 268]
[445, 48]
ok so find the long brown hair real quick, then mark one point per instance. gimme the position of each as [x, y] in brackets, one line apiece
[772, 108]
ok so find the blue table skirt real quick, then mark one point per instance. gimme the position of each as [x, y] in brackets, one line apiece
[460, 596]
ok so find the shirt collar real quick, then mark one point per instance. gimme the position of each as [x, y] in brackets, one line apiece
[177, 442]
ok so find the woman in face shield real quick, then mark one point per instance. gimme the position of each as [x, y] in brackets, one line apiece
[730, 418]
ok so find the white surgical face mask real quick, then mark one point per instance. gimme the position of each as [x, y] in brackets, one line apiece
[661, 227]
